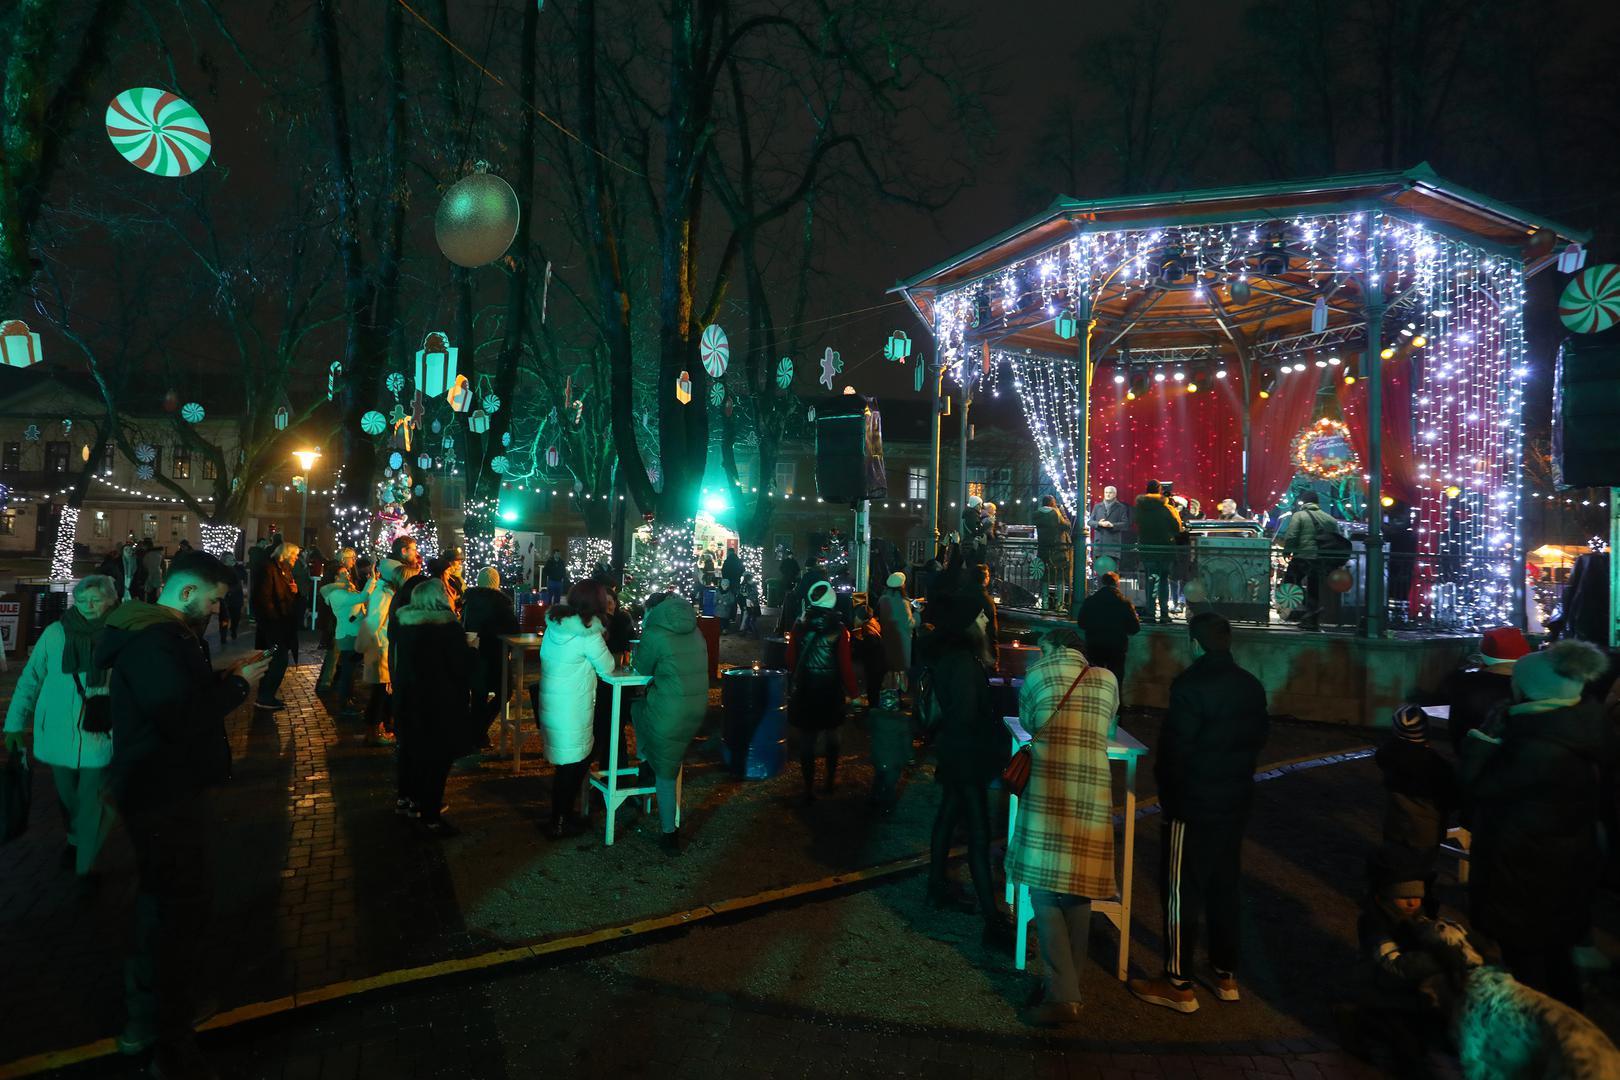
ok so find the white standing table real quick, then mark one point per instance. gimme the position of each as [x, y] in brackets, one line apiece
[1125, 748]
[608, 782]
[515, 650]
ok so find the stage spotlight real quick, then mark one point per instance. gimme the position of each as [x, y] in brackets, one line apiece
[1387, 353]
[1172, 266]
[1118, 379]
[1321, 363]
[1387, 501]
[1453, 491]
[1180, 376]
[1192, 388]
[1158, 376]
[1220, 373]
[1349, 379]
[1419, 341]
[1409, 329]
[1130, 395]
[1274, 261]
[1299, 366]
[1265, 394]
[1334, 361]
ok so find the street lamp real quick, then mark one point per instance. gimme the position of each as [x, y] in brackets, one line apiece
[306, 461]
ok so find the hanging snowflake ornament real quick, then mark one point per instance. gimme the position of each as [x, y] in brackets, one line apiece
[395, 460]
[715, 350]
[192, 412]
[145, 452]
[784, 372]
[717, 393]
[143, 472]
[396, 382]
[491, 403]
[832, 365]
[373, 422]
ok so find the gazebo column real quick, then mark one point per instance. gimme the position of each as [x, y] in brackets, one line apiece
[1376, 586]
[961, 448]
[1085, 315]
[936, 403]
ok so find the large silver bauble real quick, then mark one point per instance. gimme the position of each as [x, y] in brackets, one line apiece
[477, 220]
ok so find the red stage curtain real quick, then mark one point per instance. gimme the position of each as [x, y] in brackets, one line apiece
[1400, 467]
[1196, 440]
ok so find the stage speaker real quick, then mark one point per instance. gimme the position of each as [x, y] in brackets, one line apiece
[1586, 413]
[849, 451]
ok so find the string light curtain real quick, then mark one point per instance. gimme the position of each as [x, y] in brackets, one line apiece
[1465, 398]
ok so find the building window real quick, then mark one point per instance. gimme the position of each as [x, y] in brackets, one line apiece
[917, 550]
[917, 483]
[8, 523]
[210, 468]
[784, 477]
[179, 526]
[100, 525]
[975, 481]
[274, 495]
[149, 526]
[1000, 486]
[109, 458]
[57, 455]
[11, 461]
[181, 467]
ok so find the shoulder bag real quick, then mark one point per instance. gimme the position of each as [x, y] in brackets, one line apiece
[1015, 774]
[97, 716]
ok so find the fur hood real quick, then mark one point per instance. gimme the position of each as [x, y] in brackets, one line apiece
[409, 616]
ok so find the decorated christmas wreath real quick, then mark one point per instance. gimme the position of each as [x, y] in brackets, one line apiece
[1323, 450]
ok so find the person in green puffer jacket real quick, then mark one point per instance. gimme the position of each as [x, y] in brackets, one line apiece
[673, 652]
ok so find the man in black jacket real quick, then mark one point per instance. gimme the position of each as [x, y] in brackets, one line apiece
[1204, 766]
[1109, 621]
[277, 606]
[169, 745]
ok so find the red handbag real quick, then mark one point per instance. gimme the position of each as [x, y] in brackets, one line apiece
[1015, 774]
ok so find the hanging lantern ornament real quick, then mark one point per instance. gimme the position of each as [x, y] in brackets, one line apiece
[1066, 325]
[192, 412]
[423, 461]
[898, 347]
[1571, 259]
[157, 132]
[784, 372]
[832, 365]
[553, 457]
[460, 395]
[19, 345]
[683, 389]
[1319, 314]
[1590, 303]
[283, 415]
[373, 423]
[478, 422]
[715, 350]
[436, 364]
[477, 220]
[449, 443]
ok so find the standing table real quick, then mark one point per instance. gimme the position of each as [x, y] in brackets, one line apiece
[608, 783]
[1123, 747]
[514, 657]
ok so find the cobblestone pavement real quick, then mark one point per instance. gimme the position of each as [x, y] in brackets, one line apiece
[318, 882]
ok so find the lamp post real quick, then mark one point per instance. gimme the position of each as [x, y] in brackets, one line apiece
[306, 461]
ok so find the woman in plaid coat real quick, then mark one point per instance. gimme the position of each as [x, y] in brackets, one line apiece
[1063, 844]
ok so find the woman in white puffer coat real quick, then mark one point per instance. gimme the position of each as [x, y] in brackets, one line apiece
[52, 690]
[573, 653]
[372, 644]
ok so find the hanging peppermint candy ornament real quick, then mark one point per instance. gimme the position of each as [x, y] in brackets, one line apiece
[157, 132]
[784, 372]
[145, 452]
[500, 464]
[143, 472]
[490, 404]
[373, 422]
[1591, 301]
[717, 393]
[192, 413]
[1288, 598]
[715, 350]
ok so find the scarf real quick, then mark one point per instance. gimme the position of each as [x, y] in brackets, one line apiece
[80, 646]
[138, 615]
[1530, 708]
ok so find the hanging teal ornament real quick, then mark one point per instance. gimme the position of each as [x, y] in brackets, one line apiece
[192, 413]
[784, 372]
[145, 453]
[500, 464]
[717, 393]
[395, 461]
[449, 442]
[373, 423]
[1066, 326]
[423, 461]
[919, 378]
[1242, 291]
[491, 404]
[67, 426]
[1319, 315]
[436, 427]
[143, 472]
[31, 433]
[334, 373]
[282, 416]
[506, 438]
[417, 489]
[898, 347]
[396, 382]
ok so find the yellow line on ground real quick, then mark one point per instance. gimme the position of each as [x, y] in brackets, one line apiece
[58, 1059]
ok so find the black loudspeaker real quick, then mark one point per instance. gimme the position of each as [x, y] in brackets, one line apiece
[1586, 413]
[849, 452]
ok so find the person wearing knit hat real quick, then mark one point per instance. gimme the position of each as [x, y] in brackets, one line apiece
[1482, 687]
[1420, 791]
[1531, 778]
[823, 678]
[896, 625]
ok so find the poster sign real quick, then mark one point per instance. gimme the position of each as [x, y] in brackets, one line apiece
[10, 612]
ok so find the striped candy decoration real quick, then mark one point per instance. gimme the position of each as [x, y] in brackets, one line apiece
[158, 132]
[1591, 301]
[715, 350]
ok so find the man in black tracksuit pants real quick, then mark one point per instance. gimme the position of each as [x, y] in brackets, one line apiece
[1204, 766]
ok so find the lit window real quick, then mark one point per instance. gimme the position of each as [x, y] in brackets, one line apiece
[784, 477]
[916, 483]
[100, 525]
[8, 523]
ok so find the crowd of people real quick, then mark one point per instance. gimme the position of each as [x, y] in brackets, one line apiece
[128, 710]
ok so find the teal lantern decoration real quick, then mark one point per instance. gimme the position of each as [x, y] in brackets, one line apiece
[373, 423]
[423, 461]
[1067, 326]
[478, 422]
[919, 378]
[898, 347]
[784, 372]
[436, 365]
[283, 414]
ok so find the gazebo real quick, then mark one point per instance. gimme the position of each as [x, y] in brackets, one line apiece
[1365, 326]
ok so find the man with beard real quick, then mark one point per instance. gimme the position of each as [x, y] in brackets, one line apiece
[169, 746]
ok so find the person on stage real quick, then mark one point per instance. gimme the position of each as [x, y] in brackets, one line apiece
[1228, 510]
[1157, 527]
[1108, 521]
[1054, 542]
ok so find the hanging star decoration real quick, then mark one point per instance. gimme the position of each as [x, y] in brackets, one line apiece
[832, 365]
